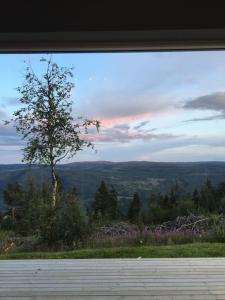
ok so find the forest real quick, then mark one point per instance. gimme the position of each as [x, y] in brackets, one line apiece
[32, 224]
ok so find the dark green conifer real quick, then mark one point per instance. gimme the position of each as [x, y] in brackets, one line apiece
[100, 200]
[134, 210]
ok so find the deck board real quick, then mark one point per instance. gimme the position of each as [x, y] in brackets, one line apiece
[113, 279]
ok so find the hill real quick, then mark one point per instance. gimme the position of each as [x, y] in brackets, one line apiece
[126, 177]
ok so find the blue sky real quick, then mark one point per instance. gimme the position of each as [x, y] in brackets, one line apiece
[156, 106]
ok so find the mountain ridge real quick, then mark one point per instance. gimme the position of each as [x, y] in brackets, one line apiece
[126, 177]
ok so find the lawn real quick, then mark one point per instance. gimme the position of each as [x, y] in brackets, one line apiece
[172, 251]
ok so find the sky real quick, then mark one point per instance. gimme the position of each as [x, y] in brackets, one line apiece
[153, 106]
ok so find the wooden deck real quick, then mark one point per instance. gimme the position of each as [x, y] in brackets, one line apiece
[113, 279]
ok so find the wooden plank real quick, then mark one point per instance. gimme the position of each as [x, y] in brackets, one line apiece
[182, 297]
[113, 279]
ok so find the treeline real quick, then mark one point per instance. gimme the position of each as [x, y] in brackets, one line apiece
[31, 213]
[161, 207]
[206, 200]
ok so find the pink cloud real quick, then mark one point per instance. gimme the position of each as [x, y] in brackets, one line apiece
[110, 122]
[114, 134]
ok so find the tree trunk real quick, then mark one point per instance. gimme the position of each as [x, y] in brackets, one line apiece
[54, 185]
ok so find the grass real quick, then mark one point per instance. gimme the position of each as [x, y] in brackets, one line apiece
[172, 251]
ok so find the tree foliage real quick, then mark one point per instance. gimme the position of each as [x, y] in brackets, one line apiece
[13, 194]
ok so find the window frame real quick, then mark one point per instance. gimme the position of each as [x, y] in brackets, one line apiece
[113, 41]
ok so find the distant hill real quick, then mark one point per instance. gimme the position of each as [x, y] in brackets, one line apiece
[126, 177]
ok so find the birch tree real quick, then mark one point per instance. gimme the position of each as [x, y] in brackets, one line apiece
[45, 118]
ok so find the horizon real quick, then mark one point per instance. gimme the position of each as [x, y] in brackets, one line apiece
[118, 162]
[154, 106]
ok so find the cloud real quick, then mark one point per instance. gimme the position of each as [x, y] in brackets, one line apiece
[9, 101]
[109, 122]
[9, 136]
[3, 115]
[113, 103]
[123, 134]
[214, 101]
[7, 130]
[141, 124]
[182, 148]
[210, 118]
[122, 126]
[213, 141]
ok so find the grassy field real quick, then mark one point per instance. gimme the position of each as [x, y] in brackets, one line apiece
[188, 250]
